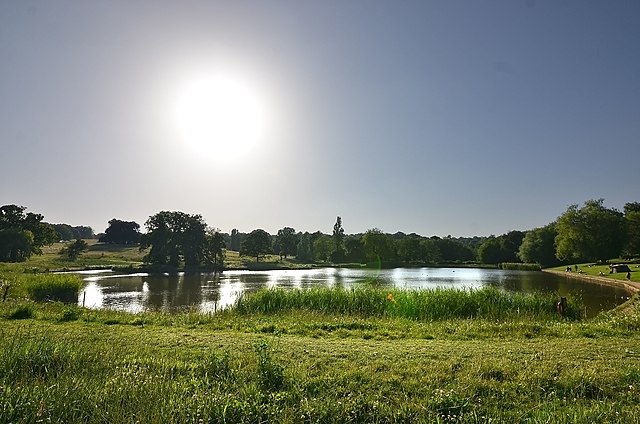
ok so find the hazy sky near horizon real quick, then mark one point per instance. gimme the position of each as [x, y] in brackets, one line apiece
[436, 117]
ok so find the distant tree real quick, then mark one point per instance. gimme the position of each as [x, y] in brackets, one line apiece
[452, 250]
[286, 242]
[411, 249]
[632, 222]
[490, 252]
[378, 246]
[338, 254]
[84, 232]
[322, 248]
[24, 233]
[538, 246]
[355, 251]
[430, 251]
[73, 250]
[304, 251]
[257, 243]
[64, 232]
[592, 232]
[213, 252]
[510, 244]
[172, 236]
[121, 232]
[236, 240]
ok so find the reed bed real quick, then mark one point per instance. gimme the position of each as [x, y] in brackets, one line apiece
[51, 287]
[423, 305]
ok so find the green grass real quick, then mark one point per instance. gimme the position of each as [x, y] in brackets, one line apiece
[316, 368]
[520, 266]
[425, 305]
[596, 270]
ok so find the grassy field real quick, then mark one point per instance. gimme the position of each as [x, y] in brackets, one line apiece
[62, 363]
[594, 270]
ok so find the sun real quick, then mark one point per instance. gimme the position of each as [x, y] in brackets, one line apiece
[219, 116]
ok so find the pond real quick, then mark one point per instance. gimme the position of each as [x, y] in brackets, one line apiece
[213, 292]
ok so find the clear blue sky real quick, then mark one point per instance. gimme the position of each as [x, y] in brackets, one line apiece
[436, 117]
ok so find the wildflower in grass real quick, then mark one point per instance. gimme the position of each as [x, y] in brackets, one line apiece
[390, 298]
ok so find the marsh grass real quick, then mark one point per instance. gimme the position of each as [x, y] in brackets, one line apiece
[520, 266]
[52, 287]
[423, 305]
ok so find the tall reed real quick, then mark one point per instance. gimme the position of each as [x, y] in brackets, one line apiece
[53, 287]
[426, 305]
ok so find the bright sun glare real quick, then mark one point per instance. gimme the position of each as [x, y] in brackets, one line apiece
[219, 116]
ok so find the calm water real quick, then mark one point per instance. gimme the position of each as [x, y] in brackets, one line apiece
[211, 292]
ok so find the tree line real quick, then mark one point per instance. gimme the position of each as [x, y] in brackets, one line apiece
[588, 233]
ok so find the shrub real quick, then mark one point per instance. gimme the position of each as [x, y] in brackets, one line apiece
[22, 312]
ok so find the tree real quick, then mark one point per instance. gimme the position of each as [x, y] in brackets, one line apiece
[286, 242]
[378, 246]
[213, 252]
[355, 251]
[338, 254]
[592, 232]
[322, 248]
[538, 246]
[410, 249]
[24, 234]
[490, 252]
[256, 243]
[73, 250]
[510, 244]
[303, 250]
[235, 241]
[632, 220]
[175, 236]
[121, 232]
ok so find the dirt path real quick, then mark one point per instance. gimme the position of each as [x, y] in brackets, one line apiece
[632, 286]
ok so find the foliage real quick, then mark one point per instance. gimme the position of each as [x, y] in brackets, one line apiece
[235, 240]
[520, 266]
[592, 232]
[355, 252]
[304, 251]
[538, 246]
[176, 236]
[22, 234]
[501, 249]
[121, 232]
[73, 250]
[338, 255]
[286, 242]
[378, 246]
[257, 243]
[322, 248]
[66, 232]
[490, 252]
[213, 249]
[632, 221]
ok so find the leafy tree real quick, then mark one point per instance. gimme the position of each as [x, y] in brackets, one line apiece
[378, 246]
[355, 251]
[303, 250]
[286, 242]
[64, 232]
[235, 241]
[592, 232]
[452, 250]
[338, 254]
[121, 232]
[538, 246]
[430, 251]
[84, 232]
[24, 233]
[256, 243]
[510, 244]
[15, 245]
[213, 252]
[632, 220]
[490, 252]
[410, 249]
[322, 248]
[73, 250]
[173, 236]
